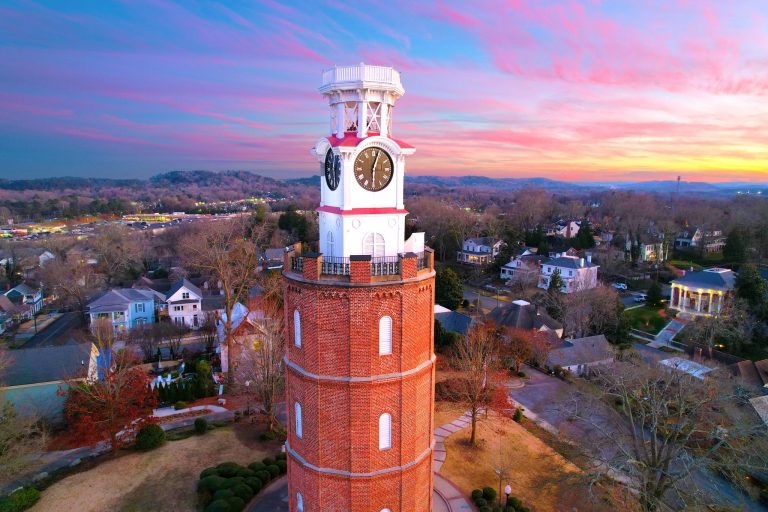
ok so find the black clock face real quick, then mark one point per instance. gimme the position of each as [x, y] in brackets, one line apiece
[332, 170]
[373, 169]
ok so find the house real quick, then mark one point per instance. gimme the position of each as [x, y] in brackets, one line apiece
[243, 325]
[124, 307]
[525, 265]
[32, 381]
[521, 314]
[15, 312]
[751, 373]
[760, 404]
[25, 294]
[45, 257]
[452, 321]
[577, 274]
[565, 229]
[577, 355]
[184, 301]
[646, 251]
[692, 368]
[704, 292]
[709, 241]
[479, 251]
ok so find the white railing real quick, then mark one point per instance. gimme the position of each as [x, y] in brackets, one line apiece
[361, 73]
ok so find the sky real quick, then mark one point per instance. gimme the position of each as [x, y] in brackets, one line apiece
[582, 90]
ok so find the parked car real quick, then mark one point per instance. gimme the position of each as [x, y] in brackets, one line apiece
[641, 297]
[620, 286]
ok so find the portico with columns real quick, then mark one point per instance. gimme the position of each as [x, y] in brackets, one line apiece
[702, 293]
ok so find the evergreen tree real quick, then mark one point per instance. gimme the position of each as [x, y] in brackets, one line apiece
[449, 291]
[751, 287]
[585, 238]
[556, 282]
[735, 250]
[655, 298]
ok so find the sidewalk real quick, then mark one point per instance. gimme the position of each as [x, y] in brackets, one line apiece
[452, 496]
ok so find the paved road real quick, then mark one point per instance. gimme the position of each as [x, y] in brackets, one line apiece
[485, 301]
[57, 333]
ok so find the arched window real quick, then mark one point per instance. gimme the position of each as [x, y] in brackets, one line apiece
[385, 510]
[373, 244]
[329, 244]
[296, 328]
[297, 413]
[385, 336]
[385, 431]
[299, 502]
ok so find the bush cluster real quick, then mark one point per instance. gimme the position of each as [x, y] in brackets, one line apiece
[201, 426]
[200, 386]
[485, 501]
[149, 437]
[229, 486]
[19, 500]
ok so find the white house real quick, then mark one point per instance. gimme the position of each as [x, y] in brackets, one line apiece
[184, 305]
[711, 241]
[577, 273]
[704, 292]
[566, 229]
[525, 264]
[479, 251]
[25, 294]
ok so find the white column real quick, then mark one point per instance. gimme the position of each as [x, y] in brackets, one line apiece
[698, 303]
[719, 302]
[672, 296]
[362, 114]
[340, 119]
[709, 308]
[681, 299]
[384, 119]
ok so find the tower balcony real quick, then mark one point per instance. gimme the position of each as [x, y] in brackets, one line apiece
[362, 76]
[362, 269]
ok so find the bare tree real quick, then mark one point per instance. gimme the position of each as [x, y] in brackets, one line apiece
[260, 354]
[173, 336]
[73, 282]
[221, 251]
[517, 345]
[117, 251]
[476, 358]
[670, 432]
[147, 338]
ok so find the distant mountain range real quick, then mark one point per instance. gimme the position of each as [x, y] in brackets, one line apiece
[248, 181]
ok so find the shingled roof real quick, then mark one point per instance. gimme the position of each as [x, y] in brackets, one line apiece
[711, 278]
[523, 315]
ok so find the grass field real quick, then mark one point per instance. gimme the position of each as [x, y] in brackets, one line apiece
[161, 479]
[647, 319]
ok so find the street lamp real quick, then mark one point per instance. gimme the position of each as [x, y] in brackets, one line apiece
[507, 491]
[247, 398]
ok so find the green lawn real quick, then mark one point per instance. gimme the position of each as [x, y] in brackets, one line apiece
[685, 264]
[647, 319]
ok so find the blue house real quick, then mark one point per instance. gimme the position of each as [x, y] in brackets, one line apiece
[125, 308]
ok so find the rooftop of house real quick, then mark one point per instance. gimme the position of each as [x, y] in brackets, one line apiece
[713, 278]
[572, 262]
[591, 349]
[485, 240]
[183, 283]
[47, 364]
[692, 368]
[453, 321]
[119, 299]
[760, 404]
[23, 289]
[751, 373]
[523, 315]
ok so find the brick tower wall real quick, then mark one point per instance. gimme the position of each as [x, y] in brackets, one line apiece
[344, 385]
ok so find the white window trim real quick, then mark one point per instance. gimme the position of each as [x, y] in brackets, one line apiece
[299, 502]
[385, 431]
[296, 328]
[297, 420]
[385, 336]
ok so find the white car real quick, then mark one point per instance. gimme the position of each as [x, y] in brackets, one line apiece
[620, 286]
[641, 297]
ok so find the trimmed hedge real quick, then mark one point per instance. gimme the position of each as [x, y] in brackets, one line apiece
[485, 499]
[19, 500]
[229, 486]
[149, 437]
[201, 426]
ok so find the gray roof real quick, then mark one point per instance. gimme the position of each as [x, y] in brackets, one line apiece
[183, 283]
[47, 364]
[119, 299]
[454, 322]
[24, 289]
[568, 262]
[212, 303]
[715, 278]
[484, 240]
[523, 315]
[588, 350]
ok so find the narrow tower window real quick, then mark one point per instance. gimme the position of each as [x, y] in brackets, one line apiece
[385, 431]
[296, 328]
[385, 336]
[329, 244]
[297, 411]
[299, 502]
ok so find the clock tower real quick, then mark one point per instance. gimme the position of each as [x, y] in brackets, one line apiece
[359, 316]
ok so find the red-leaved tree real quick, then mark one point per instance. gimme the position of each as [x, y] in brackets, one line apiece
[113, 406]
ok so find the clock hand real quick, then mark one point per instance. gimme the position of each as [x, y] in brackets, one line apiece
[373, 168]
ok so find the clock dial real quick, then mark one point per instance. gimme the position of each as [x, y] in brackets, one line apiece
[373, 169]
[332, 170]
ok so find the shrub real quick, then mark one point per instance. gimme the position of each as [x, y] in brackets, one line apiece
[282, 465]
[281, 456]
[515, 503]
[450, 390]
[263, 475]
[518, 416]
[223, 494]
[521, 375]
[19, 500]
[267, 461]
[243, 492]
[274, 470]
[209, 472]
[268, 435]
[477, 494]
[485, 508]
[254, 483]
[481, 502]
[246, 473]
[149, 437]
[256, 466]
[180, 405]
[211, 484]
[218, 506]
[236, 504]
[489, 493]
[228, 469]
[201, 425]
[234, 481]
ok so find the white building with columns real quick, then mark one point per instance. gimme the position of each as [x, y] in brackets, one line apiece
[704, 292]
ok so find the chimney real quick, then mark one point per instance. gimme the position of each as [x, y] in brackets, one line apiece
[581, 262]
